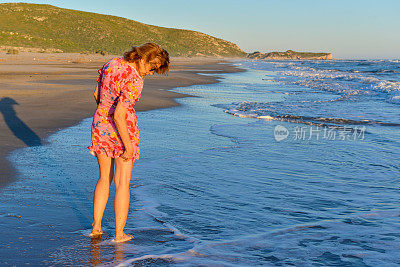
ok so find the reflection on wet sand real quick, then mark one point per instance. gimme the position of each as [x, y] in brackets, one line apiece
[95, 250]
[96, 255]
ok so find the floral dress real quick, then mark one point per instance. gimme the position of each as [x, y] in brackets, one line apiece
[119, 83]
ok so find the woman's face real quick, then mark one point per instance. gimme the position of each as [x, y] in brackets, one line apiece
[148, 68]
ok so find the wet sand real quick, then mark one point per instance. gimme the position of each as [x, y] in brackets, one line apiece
[43, 93]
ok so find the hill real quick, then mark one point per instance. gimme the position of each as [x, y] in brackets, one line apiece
[64, 30]
[290, 54]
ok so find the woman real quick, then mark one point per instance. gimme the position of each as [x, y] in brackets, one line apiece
[115, 133]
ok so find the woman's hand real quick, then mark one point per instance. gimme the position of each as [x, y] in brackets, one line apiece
[122, 127]
[128, 153]
[96, 93]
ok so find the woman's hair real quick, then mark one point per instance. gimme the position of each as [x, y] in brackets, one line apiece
[151, 53]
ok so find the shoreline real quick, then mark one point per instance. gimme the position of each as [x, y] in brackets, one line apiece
[38, 90]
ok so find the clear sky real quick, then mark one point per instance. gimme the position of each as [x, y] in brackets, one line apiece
[347, 28]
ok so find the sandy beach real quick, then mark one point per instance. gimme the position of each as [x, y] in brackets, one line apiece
[41, 93]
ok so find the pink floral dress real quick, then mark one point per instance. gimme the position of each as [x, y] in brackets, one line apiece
[121, 84]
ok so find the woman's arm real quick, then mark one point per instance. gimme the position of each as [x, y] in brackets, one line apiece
[122, 127]
[96, 93]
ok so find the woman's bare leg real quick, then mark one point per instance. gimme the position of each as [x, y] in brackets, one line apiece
[123, 172]
[106, 165]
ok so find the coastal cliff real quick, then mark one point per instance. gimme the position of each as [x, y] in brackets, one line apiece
[289, 55]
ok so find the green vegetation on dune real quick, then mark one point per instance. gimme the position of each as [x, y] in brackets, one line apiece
[50, 27]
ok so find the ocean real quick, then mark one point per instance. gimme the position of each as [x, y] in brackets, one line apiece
[288, 163]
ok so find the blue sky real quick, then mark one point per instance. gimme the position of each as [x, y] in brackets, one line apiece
[347, 28]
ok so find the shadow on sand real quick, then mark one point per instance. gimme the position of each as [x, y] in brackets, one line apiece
[16, 125]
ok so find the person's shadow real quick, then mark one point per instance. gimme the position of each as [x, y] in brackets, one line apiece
[16, 125]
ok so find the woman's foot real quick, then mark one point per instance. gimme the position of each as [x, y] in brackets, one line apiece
[123, 238]
[96, 232]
